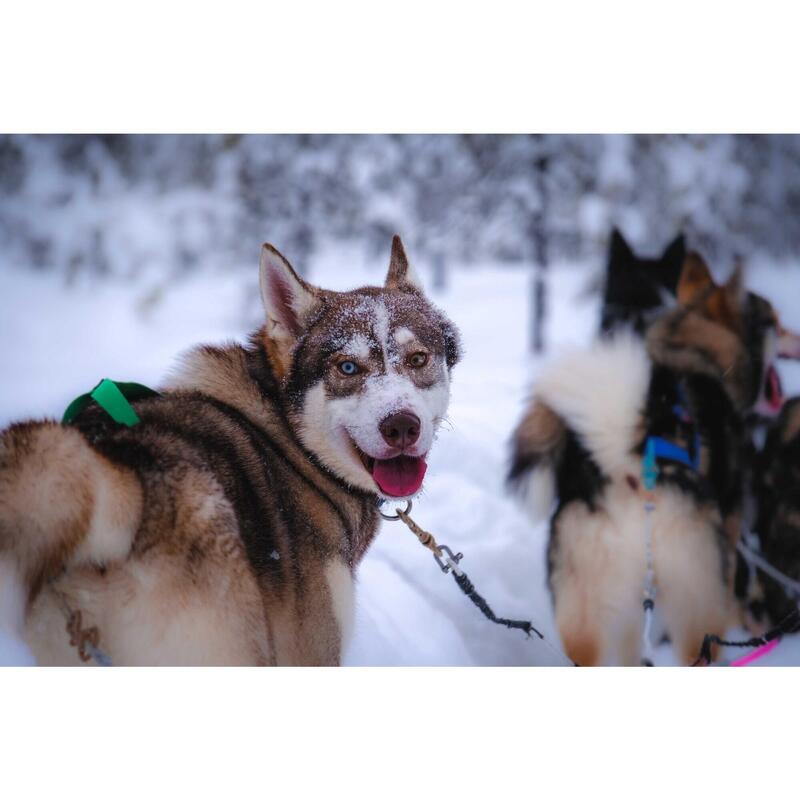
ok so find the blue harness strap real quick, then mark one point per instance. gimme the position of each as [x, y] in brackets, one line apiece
[657, 447]
[662, 448]
[649, 465]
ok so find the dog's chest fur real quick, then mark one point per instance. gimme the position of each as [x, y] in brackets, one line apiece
[246, 546]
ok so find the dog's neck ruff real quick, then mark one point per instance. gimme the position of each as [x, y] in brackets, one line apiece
[689, 344]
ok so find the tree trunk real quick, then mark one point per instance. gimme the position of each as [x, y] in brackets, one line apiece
[539, 304]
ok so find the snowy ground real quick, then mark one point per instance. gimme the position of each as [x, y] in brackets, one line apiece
[55, 343]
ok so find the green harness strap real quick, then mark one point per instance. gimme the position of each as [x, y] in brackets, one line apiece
[115, 398]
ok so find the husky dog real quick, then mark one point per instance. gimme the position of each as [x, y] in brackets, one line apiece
[581, 441]
[778, 520]
[225, 527]
[638, 289]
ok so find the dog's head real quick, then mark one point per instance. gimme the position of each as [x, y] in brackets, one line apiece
[637, 289]
[366, 373]
[744, 334]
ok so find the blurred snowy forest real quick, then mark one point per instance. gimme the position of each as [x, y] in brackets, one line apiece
[109, 206]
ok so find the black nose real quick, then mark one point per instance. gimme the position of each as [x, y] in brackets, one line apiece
[401, 429]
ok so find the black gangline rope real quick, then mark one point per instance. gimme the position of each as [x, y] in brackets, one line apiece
[789, 624]
[465, 584]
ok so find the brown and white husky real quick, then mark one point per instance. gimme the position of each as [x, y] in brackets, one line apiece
[580, 445]
[225, 527]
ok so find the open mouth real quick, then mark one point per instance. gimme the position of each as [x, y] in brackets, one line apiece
[400, 476]
[773, 393]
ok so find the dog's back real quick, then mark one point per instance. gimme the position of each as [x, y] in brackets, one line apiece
[596, 557]
[206, 520]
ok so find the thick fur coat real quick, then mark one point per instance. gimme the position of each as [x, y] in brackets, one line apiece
[226, 527]
[577, 456]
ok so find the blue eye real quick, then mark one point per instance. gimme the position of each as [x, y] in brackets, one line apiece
[349, 367]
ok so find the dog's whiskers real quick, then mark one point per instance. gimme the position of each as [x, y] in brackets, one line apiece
[445, 422]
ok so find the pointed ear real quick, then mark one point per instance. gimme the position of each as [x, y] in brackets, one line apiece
[695, 279]
[672, 262]
[287, 298]
[720, 304]
[675, 252]
[734, 287]
[618, 249]
[724, 304]
[400, 274]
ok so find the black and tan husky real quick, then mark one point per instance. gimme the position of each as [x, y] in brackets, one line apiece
[638, 289]
[226, 526]
[581, 443]
[777, 524]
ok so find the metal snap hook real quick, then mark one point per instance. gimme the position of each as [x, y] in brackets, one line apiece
[450, 561]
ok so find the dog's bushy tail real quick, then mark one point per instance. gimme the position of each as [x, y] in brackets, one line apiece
[597, 394]
[536, 446]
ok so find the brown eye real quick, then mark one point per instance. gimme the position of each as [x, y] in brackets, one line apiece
[418, 360]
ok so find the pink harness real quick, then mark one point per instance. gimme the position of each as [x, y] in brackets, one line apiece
[756, 654]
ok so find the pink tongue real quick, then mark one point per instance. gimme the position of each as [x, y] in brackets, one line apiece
[401, 476]
[775, 394]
